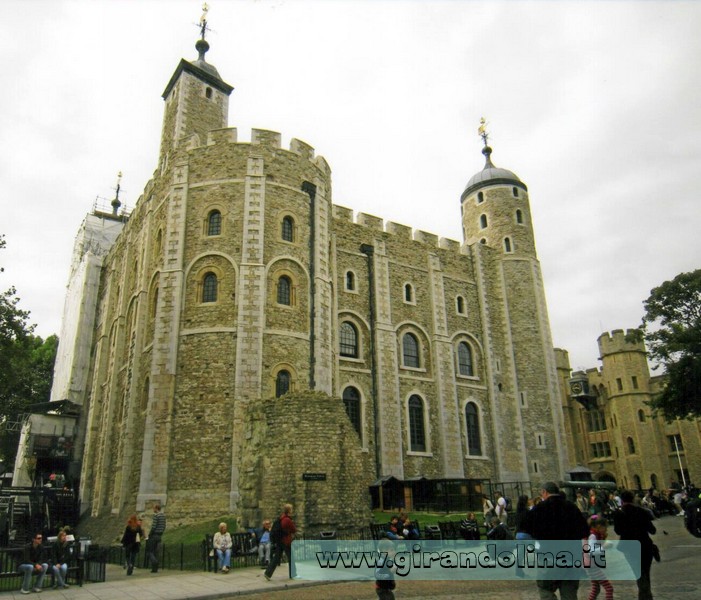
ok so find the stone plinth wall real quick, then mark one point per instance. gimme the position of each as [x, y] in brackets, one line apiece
[307, 432]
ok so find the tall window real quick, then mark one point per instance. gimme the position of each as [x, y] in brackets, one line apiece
[417, 431]
[282, 383]
[209, 288]
[465, 360]
[350, 281]
[641, 415]
[408, 293]
[519, 216]
[349, 340]
[638, 483]
[480, 197]
[288, 231]
[515, 192]
[460, 301]
[675, 443]
[483, 221]
[653, 481]
[351, 400]
[474, 441]
[507, 245]
[214, 223]
[410, 350]
[631, 445]
[597, 420]
[284, 291]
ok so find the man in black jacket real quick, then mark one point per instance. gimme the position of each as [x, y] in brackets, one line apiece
[555, 518]
[635, 523]
[33, 563]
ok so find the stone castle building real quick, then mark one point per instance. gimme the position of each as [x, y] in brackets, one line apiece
[236, 291]
[609, 424]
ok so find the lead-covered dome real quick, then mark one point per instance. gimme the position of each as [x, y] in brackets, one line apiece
[491, 175]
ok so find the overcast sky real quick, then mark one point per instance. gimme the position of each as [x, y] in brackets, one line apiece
[596, 106]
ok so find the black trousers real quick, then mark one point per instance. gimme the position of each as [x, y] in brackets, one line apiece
[276, 558]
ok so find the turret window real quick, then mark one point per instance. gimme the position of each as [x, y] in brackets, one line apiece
[519, 217]
[409, 293]
[282, 383]
[350, 281]
[515, 192]
[483, 221]
[474, 441]
[460, 305]
[288, 232]
[480, 197]
[508, 248]
[417, 426]
[208, 93]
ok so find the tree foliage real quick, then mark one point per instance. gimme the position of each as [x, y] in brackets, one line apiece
[672, 325]
[26, 367]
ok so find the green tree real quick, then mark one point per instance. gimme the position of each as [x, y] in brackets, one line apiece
[26, 367]
[672, 329]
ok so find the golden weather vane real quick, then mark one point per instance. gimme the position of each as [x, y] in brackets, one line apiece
[482, 130]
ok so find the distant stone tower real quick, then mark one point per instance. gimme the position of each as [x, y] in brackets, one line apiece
[496, 220]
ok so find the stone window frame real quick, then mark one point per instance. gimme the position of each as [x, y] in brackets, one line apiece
[158, 243]
[153, 300]
[460, 305]
[205, 214]
[274, 373]
[509, 245]
[540, 440]
[519, 217]
[424, 346]
[483, 241]
[208, 92]
[480, 197]
[356, 354]
[291, 217]
[514, 191]
[425, 424]
[410, 335]
[630, 445]
[202, 272]
[353, 288]
[464, 340]
[408, 293]
[483, 221]
[145, 391]
[641, 415]
[480, 428]
[294, 283]
[361, 410]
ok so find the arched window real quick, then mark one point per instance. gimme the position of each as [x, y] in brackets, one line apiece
[209, 288]
[351, 400]
[159, 242]
[417, 430]
[214, 223]
[480, 197]
[208, 93]
[507, 245]
[154, 302]
[641, 415]
[483, 221]
[631, 445]
[474, 441]
[460, 304]
[483, 241]
[515, 192]
[410, 350]
[653, 481]
[144, 394]
[519, 216]
[465, 360]
[350, 281]
[408, 293]
[284, 291]
[288, 231]
[282, 383]
[638, 483]
[349, 340]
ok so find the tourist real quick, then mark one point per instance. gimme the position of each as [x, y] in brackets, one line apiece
[61, 557]
[284, 544]
[598, 527]
[264, 544]
[155, 536]
[33, 564]
[222, 546]
[469, 528]
[131, 540]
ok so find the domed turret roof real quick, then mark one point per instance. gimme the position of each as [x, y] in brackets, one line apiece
[491, 175]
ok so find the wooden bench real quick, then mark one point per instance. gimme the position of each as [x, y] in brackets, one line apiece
[11, 578]
[244, 552]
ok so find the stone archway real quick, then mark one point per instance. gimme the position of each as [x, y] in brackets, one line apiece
[605, 476]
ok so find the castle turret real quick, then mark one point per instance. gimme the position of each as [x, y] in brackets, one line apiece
[495, 209]
[197, 100]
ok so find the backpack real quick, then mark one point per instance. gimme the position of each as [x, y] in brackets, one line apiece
[277, 532]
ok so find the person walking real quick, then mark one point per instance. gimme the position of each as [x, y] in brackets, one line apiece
[555, 518]
[282, 542]
[155, 536]
[131, 540]
[635, 523]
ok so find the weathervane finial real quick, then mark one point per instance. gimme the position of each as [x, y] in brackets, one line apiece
[203, 19]
[482, 131]
[116, 203]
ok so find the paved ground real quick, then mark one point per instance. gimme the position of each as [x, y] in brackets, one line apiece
[677, 577]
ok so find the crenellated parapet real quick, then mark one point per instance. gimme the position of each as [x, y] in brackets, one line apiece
[398, 230]
[621, 341]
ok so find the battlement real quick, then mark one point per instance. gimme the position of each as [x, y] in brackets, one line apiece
[621, 341]
[396, 229]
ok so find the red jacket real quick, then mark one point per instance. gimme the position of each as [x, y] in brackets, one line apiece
[288, 527]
